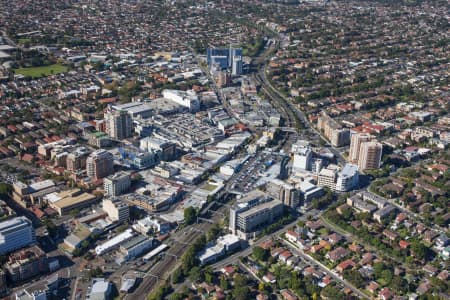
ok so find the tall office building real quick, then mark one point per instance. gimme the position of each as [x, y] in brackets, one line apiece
[355, 144]
[117, 210]
[117, 184]
[284, 192]
[99, 164]
[222, 56]
[16, 233]
[236, 68]
[302, 156]
[119, 124]
[370, 155]
[252, 213]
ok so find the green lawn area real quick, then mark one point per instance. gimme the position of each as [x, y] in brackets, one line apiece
[209, 187]
[37, 72]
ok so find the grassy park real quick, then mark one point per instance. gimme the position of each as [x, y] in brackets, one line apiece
[37, 72]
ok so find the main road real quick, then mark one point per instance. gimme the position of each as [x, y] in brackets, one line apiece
[293, 113]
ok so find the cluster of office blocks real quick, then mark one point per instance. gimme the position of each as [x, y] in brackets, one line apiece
[24, 258]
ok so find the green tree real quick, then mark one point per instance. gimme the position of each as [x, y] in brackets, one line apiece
[378, 268]
[386, 275]
[95, 272]
[190, 215]
[188, 260]
[419, 250]
[196, 274]
[5, 189]
[214, 232]
[355, 277]
[260, 253]
[224, 284]
[240, 290]
[330, 292]
[399, 284]
[51, 227]
[177, 276]
[209, 274]
[160, 293]
[176, 296]
[85, 244]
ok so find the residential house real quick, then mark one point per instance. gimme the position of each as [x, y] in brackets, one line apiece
[337, 254]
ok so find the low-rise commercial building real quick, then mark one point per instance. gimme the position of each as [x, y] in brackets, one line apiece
[149, 224]
[187, 99]
[68, 200]
[136, 246]
[224, 244]
[79, 235]
[115, 242]
[166, 150]
[27, 195]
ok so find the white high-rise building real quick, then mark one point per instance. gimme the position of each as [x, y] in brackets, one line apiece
[119, 124]
[117, 184]
[16, 233]
[236, 69]
[370, 155]
[302, 156]
[316, 165]
[99, 164]
[348, 178]
[355, 144]
[302, 159]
